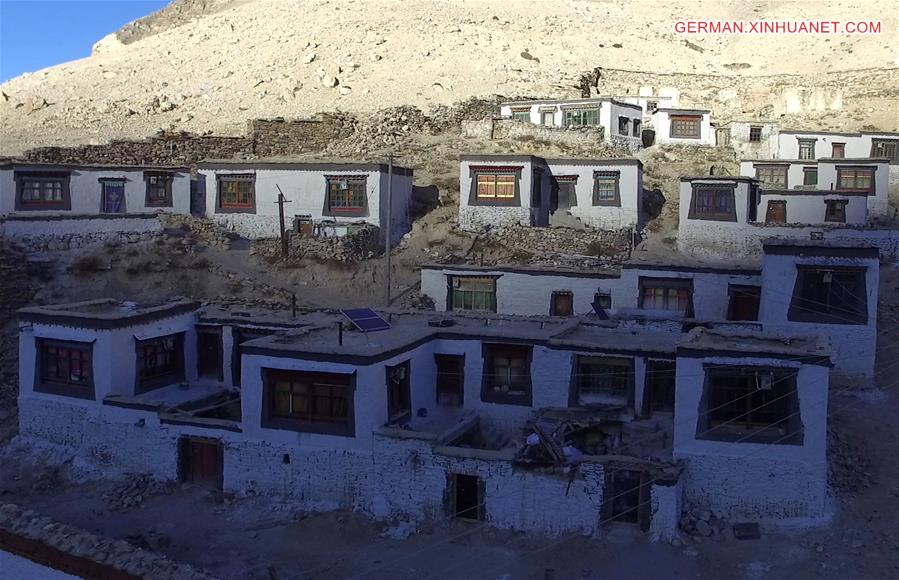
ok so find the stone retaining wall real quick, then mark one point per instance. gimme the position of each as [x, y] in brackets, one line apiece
[564, 240]
[77, 551]
[359, 245]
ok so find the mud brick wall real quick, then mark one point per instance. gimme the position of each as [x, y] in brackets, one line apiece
[274, 137]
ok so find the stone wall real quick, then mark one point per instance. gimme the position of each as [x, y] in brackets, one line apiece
[478, 218]
[564, 240]
[359, 245]
[74, 550]
[66, 234]
[264, 138]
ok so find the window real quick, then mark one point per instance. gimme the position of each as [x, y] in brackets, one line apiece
[776, 212]
[810, 176]
[112, 195]
[606, 188]
[686, 126]
[602, 300]
[561, 303]
[661, 379]
[743, 302]
[309, 401]
[159, 189]
[666, 294]
[772, 176]
[160, 362]
[838, 150]
[450, 379]
[507, 374]
[581, 117]
[472, 293]
[829, 296]
[65, 368]
[497, 187]
[652, 106]
[755, 134]
[399, 393]
[522, 115]
[623, 125]
[42, 191]
[713, 202]
[602, 380]
[346, 195]
[835, 211]
[637, 127]
[888, 148]
[237, 193]
[750, 404]
[855, 179]
[807, 148]
[242, 335]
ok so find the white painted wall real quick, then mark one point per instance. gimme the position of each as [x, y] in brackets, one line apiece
[858, 145]
[754, 481]
[854, 345]
[305, 189]
[603, 217]
[765, 148]
[661, 122]
[86, 191]
[476, 217]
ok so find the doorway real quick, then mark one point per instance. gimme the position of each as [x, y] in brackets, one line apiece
[201, 462]
[450, 383]
[628, 503]
[566, 196]
[466, 497]
[209, 353]
[776, 212]
[547, 118]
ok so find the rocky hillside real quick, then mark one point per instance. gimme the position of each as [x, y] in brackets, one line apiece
[209, 65]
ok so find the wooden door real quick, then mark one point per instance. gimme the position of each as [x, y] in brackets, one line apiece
[450, 379]
[547, 118]
[201, 462]
[776, 213]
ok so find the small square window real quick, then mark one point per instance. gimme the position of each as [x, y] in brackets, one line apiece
[807, 148]
[346, 195]
[836, 211]
[755, 134]
[561, 303]
[772, 176]
[623, 125]
[809, 176]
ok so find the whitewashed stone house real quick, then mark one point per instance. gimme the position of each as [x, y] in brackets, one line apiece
[242, 195]
[826, 190]
[749, 139]
[621, 121]
[458, 416]
[44, 200]
[683, 127]
[774, 292]
[727, 215]
[505, 190]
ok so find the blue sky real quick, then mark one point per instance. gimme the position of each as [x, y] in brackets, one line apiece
[35, 34]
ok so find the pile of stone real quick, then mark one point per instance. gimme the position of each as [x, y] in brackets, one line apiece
[201, 230]
[113, 558]
[386, 129]
[361, 244]
[850, 470]
[702, 524]
[607, 247]
[473, 109]
[131, 493]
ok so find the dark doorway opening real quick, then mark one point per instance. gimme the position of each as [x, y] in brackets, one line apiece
[744, 302]
[201, 462]
[450, 383]
[466, 495]
[661, 378]
[566, 195]
[209, 353]
[399, 393]
[628, 493]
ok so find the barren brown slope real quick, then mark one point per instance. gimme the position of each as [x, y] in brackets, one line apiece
[210, 65]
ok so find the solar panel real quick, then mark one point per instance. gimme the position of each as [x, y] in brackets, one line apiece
[366, 319]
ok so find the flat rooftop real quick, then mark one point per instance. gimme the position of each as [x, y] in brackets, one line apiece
[706, 341]
[323, 341]
[105, 313]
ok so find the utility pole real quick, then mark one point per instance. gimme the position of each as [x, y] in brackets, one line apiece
[281, 201]
[387, 236]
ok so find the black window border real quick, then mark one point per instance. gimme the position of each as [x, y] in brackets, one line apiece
[615, 201]
[796, 313]
[574, 394]
[473, 190]
[694, 213]
[491, 396]
[828, 206]
[786, 171]
[879, 140]
[733, 289]
[450, 278]
[21, 176]
[813, 141]
[673, 135]
[303, 425]
[146, 385]
[169, 181]
[687, 283]
[871, 189]
[86, 392]
[552, 302]
[326, 207]
[251, 177]
[705, 431]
